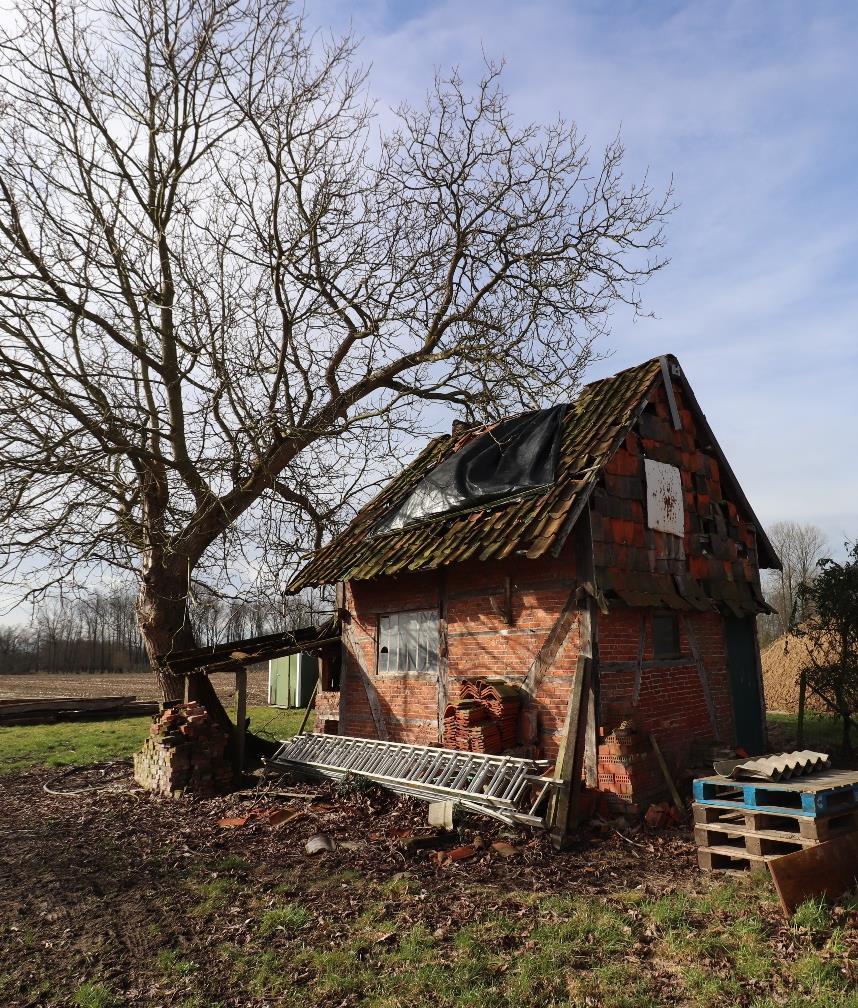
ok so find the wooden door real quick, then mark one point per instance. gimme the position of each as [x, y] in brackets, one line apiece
[745, 693]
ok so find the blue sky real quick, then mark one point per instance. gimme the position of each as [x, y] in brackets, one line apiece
[752, 107]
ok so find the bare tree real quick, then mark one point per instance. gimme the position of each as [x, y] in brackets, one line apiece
[830, 635]
[800, 547]
[222, 295]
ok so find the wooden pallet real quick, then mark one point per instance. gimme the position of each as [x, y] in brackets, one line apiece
[785, 825]
[817, 794]
[750, 841]
[729, 859]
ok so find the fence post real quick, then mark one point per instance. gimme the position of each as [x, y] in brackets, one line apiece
[799, 728]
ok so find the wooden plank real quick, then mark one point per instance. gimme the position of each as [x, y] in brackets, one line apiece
[674, 794]
[750, 841]
[310, 705]
[558, 815]
[591, 741]
[784, 823]
[29, 705]
[726, 859]
[827, 870]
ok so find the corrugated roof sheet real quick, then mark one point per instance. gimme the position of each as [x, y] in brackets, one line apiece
[534, 524]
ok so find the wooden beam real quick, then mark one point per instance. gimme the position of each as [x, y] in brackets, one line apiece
[552, 644]
[636, 689]
[443, 652]
[240, 717]
[671, 396]
[351, 647]
[585, 562]
[702, 676]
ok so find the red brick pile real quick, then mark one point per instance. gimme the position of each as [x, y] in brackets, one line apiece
[485, 719]
[628, 769]
[184, 754]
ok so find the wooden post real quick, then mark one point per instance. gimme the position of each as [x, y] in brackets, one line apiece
[578, 747]
[240, 716]
[310, 705]
[570, 759]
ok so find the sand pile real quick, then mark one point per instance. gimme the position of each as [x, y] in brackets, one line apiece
[782, 662]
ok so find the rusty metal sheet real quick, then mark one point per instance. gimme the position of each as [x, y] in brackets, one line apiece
[665, 510]
[825, 870]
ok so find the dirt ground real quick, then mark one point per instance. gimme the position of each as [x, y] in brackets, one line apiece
[115, 898]
[141, 685]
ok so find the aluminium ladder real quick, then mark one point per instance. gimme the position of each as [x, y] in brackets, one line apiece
[499, 786]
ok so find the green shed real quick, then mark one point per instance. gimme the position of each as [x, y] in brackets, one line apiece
[291, 680]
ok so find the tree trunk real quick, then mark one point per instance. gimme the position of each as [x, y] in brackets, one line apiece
[162, 614]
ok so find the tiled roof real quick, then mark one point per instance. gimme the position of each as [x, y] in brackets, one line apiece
[534, 524]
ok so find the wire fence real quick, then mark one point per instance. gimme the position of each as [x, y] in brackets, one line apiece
[819, 732]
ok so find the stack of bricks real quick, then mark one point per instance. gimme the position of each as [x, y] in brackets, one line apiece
[628, 770]
[184, 754]
[485, 719]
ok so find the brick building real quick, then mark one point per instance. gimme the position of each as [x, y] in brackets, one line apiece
[640, 555]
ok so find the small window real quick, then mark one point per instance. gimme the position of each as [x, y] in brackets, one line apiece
[665, 636]
[408, 642]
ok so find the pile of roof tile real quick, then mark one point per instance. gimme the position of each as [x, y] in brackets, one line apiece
[485, 719]
[185, 753]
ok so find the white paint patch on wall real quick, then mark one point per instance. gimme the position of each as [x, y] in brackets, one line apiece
[665, 510]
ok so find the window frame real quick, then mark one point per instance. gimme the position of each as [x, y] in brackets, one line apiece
[676, 652]
[414, 633]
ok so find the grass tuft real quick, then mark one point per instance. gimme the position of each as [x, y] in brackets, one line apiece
[91, 995]
[291, 917]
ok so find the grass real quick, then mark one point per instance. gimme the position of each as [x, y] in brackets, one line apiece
[821, 730]
[75, 743]
[275, 722]
[90, 995]
[70, 743]
[291, 917]
[321, 935]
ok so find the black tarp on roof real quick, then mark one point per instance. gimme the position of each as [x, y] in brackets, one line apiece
[516, 455]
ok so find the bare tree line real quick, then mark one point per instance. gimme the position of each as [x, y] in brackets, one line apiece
[800, 548]
[97, 631]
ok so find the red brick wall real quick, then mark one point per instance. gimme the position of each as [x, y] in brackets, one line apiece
[671, 701]
[480, 642]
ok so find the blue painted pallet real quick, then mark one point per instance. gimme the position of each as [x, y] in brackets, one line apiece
[815, 795]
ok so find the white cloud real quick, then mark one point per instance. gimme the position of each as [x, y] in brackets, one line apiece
[752, 107]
